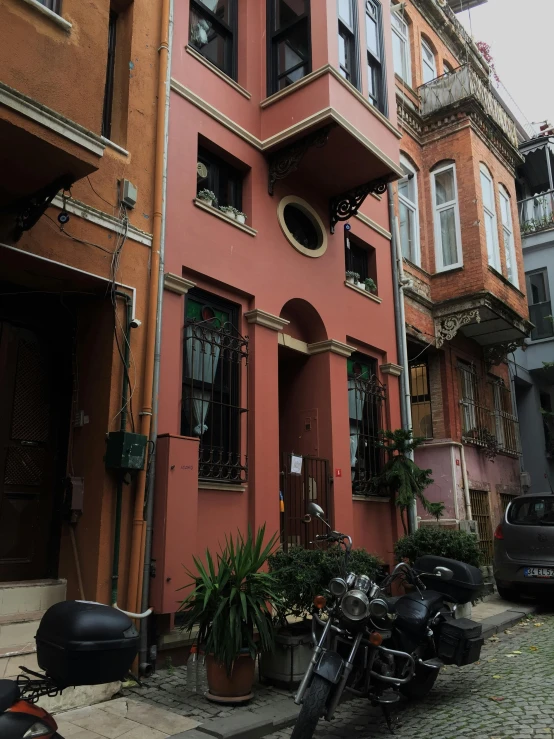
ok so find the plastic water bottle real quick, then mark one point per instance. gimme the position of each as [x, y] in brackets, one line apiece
[201, 679]
[192, 670]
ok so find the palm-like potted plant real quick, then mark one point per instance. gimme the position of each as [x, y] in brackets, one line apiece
[231, 605]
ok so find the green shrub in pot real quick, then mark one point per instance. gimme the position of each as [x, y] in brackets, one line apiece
[440, 542]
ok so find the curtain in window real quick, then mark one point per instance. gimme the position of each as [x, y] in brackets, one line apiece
[448, 236]
[202, 357]
[356, 400]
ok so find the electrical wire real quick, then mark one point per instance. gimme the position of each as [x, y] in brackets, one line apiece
[100, 196]
[61, 229]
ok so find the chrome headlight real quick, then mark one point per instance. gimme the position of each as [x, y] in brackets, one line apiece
[355, 605]
[337, 587]
[378, 608]
[363, 583]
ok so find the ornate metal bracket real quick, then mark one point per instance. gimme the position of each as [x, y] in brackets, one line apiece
[29, 209]
[446, 328]
[347, 205]
[498, 353]
[287, 160]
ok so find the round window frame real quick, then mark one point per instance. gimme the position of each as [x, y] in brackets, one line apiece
[312, 214]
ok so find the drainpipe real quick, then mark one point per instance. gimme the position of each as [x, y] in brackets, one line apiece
[398, 281]
[138, 533]
[145, 667]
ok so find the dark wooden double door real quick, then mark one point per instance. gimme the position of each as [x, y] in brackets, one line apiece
[32, 403]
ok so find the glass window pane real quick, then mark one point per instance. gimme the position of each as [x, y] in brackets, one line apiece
[345, 11]
[344, 56]
[444, 187]
[486, 186]
[399, 54]
[537, 293]
[220, 8]
[491, 246]
[207, 40]
[287, 11]
[372, 37]
[292, 50]
[372, 84]
[509, 262]
[407, 232]
[406, 187]
[448, 237]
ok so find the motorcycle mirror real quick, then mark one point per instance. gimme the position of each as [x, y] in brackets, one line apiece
[444, 573]
[315, 510]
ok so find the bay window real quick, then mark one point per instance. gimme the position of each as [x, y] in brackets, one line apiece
[348, 66]
[289, 42]
[375, 68]
[508, 233]
[409, 213]
[489, 215]
[448, 240]
[213, 32]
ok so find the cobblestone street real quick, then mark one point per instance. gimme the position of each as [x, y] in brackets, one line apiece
[507, 695]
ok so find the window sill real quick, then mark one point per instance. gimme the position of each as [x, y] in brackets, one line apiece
[114, 146]
[447, 270]
[225, 77]
[371, 498]
[218, 214]
[222, 486]
[505, 280]
[364, 292]
[54, 17]
[542, 340]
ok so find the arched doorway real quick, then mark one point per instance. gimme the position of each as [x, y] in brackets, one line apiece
[304, 423]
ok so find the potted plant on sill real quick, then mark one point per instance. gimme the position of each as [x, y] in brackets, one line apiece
[230, 604]
[206, 196]
[370, 285]
[352, 277]
[228, 210]
[240, 216]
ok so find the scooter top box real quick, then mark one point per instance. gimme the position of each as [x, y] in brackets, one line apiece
[81, 643]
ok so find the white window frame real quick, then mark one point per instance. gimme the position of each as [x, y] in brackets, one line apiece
[439, 266]
[493, 250]
[404, 36]
[448, 68]
[508, 234]
[412, 206]
[426, 63]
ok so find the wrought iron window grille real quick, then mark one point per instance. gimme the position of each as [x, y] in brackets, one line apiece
[366, 399]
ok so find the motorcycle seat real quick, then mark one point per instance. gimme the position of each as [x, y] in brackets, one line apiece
[9, 694]
[414, 610]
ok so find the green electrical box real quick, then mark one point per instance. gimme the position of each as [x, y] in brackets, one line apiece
[125, 451]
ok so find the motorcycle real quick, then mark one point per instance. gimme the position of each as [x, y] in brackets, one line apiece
[78, 643]
[371, 644]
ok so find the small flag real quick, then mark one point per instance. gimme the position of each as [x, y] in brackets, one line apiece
[281, 502]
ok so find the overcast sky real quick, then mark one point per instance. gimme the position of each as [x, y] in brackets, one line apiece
[520, 34]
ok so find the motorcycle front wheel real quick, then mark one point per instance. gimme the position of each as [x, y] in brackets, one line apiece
[312, 708]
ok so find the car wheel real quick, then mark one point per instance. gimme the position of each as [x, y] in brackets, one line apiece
[507, 593]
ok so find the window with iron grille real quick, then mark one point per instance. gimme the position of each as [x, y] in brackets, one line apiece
[54, 5]
[422, 420]
[506, 426]
[289, 45]
[213, 406]
[213, 32]
[375, 59]
[348, 42]
[110, 77]
[224, 180]
[366, 398]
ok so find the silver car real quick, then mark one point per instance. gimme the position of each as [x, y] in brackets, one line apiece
[524, 547]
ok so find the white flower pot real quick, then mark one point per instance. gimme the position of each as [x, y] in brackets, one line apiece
[205, 200]
[361, 285]
[240, 218]
[229, 214]
[350, 280]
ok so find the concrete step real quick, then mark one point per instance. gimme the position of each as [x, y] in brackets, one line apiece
[30, 596]
[13, 658]
[19, 629]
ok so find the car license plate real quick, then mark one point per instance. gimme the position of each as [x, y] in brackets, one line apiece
[538, 572]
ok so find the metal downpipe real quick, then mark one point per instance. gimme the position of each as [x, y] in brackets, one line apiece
[401, 344]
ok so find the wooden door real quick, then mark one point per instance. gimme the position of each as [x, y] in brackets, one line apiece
[28, 413]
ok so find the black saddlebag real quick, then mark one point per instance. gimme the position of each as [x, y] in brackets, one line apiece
[459, 641]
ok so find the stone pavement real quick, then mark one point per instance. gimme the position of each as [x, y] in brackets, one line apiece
[507, 695]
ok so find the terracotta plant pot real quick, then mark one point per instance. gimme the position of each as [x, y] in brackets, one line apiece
[237, 685]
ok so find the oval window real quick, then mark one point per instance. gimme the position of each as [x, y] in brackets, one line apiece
[302, 226]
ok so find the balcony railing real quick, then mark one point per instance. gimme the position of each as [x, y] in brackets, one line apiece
[492, 426]
[537, 212]
[464, 84]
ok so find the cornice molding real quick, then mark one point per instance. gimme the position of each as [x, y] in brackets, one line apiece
[175, 284]
[391, 369]
[331, 345]
[262, 318]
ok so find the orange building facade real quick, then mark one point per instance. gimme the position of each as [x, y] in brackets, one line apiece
[77, 133]
[464, 288]
[279, 355]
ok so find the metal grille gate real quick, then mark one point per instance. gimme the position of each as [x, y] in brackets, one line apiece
[481, 510]
[313, 484]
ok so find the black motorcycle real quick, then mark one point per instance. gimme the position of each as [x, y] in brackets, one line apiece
[373, 645]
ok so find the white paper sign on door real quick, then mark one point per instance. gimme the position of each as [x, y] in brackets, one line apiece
[295, 465]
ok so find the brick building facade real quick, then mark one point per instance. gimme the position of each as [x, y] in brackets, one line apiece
[464, 293]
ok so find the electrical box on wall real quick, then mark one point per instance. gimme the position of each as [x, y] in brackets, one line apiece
[128, 194]
[470, 527]
[125, 451]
